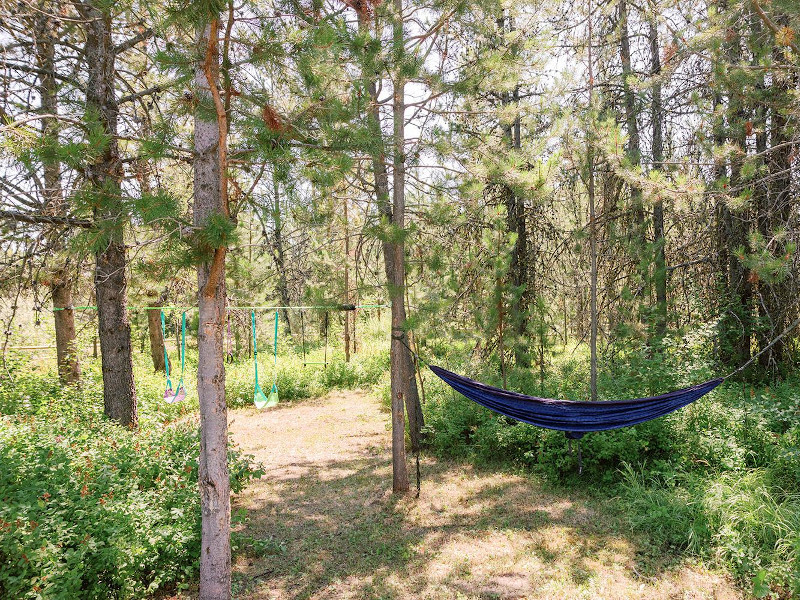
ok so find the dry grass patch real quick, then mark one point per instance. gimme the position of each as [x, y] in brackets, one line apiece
[323, 524]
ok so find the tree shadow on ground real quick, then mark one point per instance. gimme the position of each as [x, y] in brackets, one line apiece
[471, 535]
[323, 523]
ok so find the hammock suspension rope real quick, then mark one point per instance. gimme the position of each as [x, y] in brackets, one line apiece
[576, 418]
[270, 308]
[324, 363]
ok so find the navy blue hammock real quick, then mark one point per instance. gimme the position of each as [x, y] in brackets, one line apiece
[574, 418]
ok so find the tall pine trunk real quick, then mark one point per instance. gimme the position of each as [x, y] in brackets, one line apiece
[346, 281]
[279, 254]
[105, 175]
[738, 319]
[60, 285]
[210, 134]
[657, 117]
[392, 208]
[775, 215]
[638, 226]
[592, 228]
[396, 279]
[516, 223]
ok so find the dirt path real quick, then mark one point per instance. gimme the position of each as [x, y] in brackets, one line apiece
[322, 523]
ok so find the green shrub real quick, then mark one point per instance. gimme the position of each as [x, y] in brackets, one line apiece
[785, 468]
[451, 421]
[297, 382]
[756, 526]
[89, 509]
[92, 510]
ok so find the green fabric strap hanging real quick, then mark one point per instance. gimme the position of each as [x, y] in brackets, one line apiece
[260, 399]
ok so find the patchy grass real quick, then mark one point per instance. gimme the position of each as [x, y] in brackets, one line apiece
[322, 523]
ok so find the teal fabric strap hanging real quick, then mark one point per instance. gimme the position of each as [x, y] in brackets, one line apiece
[272, 399]
[180, 392]
[168, 393]
[260, 399]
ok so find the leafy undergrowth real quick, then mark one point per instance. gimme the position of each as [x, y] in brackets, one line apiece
[89, 509]
[718, 480]
[297, 382]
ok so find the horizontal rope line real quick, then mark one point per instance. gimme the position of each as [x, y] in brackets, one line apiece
[310, 307]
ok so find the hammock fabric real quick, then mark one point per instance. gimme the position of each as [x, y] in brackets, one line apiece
[574, 418]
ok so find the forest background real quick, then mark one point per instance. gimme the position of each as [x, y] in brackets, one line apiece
[531, 188]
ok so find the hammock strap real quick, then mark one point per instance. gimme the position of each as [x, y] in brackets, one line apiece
[303, 337]
[275, 348]
[183, 348]
[402, 340]
[767, 347]
[255, 346]
[164, 343]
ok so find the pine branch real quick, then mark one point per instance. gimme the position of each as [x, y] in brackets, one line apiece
[156, 89]
[38, 219]
[130, 43]
[771, 24]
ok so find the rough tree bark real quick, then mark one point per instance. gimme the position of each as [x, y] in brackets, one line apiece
[210, 198]
[774, 215]
[634, 150]
[156, 337]
[638, 227]
[346, 282]
[400, 374]
[592, 228]
[66, 348]
[105, 175]
[738, 320]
